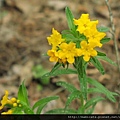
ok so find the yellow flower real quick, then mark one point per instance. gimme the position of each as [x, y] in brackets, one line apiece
[87, 50]
[53, 55]
[67, 51]
[84, 23]
[4, 100]
[94, 35]
[8, 112]
[55, 39]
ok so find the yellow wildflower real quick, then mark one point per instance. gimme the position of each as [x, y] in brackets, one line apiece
[87, 50]
[94, 35]
[53, 55]
[8, 112]
[84, 23]
[4, 101]
[55, 39]
[67, 51]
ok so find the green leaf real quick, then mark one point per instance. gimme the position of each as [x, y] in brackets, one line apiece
[43, 101]
[40, 108]
[94, 90]
[100, 53]
[18, 110]
[22, 94]
[70, 38]
[105, 58]
[109, 95]
[63, 71]
[60, 72]
[91, 109]
[27, 109]
[49, 74]
[93, 101]
[105, 40]
[72, 96]
[61, 111]
[103, 29]
[66, 85]
[70, 17]
[97, 64]
[66, 32]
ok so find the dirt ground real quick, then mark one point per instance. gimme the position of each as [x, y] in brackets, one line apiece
[24, 27]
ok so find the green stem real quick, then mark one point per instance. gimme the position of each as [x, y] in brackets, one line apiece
[81, 66]
[81, 69]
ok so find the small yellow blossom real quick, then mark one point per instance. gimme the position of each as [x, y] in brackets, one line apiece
[8, 112]
[84, 23]
[87, 50]
[4, 101]
[55, 39]
[53, 55]
[67, 51]
[94, 35]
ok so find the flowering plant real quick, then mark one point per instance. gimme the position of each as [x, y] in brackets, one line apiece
[76, 46]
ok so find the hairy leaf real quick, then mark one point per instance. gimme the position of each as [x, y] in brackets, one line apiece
[66, 85]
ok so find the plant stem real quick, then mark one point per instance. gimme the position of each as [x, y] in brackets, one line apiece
[81, 67]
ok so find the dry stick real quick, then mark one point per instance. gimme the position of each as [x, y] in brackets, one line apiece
[115, 43]
[113, 34]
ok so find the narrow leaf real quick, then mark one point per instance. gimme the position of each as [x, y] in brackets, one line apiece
[93, 101]
[70, 17]
[109, 95]
[103, 29]
[81, 110]
[25, 93]
[70, 38]
[61, 111]
[72, 96]
[94, 90]
[40, 108]
[105, 40]
[100, 53]
[49, 74]
[105, 58]
[66, 85]
[22, 94]
[43, 101]
[27, 109]
[63, 71]
[59, 72]
[91, 109]
[97, 64]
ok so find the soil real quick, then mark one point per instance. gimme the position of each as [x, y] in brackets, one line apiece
[24, 28]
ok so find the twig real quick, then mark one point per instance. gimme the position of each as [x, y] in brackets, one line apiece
[115, 42]
[113, 34]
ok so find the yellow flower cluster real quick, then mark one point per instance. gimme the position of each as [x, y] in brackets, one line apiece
[63, 51]
[93, 36]
[6, 101]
